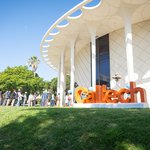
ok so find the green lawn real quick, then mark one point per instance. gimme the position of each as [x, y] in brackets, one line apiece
[35, 128]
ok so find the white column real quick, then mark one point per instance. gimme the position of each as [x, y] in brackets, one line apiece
[64, 82]
[64, 85]
[72, 51]
[58, 78]
[62, 78]
[129, 48]
[93, 44]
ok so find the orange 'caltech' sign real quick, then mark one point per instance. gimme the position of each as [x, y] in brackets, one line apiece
[102, 95]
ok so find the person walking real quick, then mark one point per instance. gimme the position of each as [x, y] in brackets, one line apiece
[35, 99]
[30, 99]
[66, 99]
[14, 97]
[52, 100]
[58, 100]
[44, 99]
[70, 99]
[9, 98]
[24, 98]
[6, 97]
[19, 97]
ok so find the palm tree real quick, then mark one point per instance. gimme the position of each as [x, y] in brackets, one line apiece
[33, 62]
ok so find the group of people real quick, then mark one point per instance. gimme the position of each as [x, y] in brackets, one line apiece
[18, 98]
[68, 99]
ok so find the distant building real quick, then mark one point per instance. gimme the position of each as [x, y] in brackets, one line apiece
[92, 43]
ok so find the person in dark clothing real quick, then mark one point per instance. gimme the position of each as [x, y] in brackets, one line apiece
[6, 98]
[14, 98]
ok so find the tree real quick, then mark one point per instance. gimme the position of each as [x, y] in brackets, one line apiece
[33, 62]
[67, 82]
[20, 78]
[53, 84]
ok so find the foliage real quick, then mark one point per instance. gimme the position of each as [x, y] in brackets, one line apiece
[74, 129]
[20, 78]
[67, 82]
[33, 62]
[53, 84]
[47, 85]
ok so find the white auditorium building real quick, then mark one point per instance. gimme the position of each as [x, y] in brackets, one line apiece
[96, 39]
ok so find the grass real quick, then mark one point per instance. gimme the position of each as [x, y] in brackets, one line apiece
[35, 128]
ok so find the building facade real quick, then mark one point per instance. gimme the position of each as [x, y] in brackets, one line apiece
[93, 43]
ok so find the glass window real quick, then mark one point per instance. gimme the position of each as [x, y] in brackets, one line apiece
[102, 61]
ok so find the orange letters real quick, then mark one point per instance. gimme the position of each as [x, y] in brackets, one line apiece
[102, 95]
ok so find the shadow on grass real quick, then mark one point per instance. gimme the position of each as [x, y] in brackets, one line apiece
[87, 129]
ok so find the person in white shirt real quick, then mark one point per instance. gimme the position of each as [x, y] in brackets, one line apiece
[66, 100]
[24, 98]
[19, 97]
[30, 99]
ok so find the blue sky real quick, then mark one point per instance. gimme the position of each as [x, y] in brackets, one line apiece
[23, 24]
